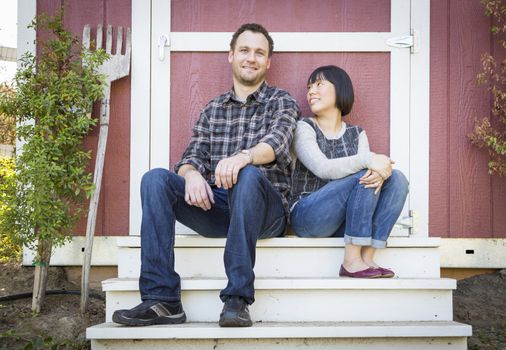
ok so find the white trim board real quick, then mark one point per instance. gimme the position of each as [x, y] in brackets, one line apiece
[140, 107]
[27, 10]
[420, 119]
[473, 253]
[104, 253]
[160, 89]
[455, 252]
[286, 41]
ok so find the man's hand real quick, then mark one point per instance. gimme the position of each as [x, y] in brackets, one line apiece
[197, 191]
[382, 165]
[227, 170]
[372, 179]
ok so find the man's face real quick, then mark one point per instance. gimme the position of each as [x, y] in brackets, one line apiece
[250, 58]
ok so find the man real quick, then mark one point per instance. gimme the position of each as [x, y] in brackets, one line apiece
[232, 182]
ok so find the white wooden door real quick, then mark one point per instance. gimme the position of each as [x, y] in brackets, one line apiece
[408, 45]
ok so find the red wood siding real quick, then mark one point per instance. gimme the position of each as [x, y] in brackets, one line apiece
[282, 15]
[464, 200]
[194, 77]
[194, 81]
[112, 216]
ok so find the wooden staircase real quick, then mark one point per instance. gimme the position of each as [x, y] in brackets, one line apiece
[300, 300]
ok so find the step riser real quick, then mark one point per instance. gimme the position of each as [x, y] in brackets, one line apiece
[281, 305]
[288, 262]
[453, 343]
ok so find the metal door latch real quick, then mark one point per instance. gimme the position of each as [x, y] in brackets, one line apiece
[162, 41]
[406, 41]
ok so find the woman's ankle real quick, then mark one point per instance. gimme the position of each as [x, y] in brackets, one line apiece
[354, 264]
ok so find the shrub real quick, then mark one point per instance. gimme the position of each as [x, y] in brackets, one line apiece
[9, 250]
[490, 133]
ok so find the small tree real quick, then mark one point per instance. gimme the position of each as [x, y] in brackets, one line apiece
[52, 104]
[490, 133]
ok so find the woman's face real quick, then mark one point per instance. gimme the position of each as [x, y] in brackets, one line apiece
[321, 96]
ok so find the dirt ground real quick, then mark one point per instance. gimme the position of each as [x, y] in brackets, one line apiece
[479, 301]
[60, 325]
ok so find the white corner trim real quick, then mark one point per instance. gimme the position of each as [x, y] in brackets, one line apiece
[420, 117]
[160, 87]
[140, 100]
[473, 253]
[27, 10]
[72, 254]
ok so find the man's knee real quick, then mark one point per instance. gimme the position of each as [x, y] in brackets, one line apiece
[249, 176]
[250, 184]
[156, 178]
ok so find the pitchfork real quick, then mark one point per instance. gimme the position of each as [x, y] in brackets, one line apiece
[116, 67]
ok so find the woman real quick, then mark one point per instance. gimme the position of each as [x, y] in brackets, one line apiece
[338, 183]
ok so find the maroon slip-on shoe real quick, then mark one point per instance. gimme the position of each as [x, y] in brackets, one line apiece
[367, 273]
[385, 273]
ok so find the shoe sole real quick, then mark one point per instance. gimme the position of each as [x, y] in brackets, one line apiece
[234, 322]
[137, 322]
[363, 277]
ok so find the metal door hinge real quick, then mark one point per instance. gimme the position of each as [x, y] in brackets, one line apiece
[406, 41]
[409, 222]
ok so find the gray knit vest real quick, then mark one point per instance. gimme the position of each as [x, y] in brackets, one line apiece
[304, 181]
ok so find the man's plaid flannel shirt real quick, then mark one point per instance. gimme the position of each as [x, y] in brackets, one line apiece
[226, 126]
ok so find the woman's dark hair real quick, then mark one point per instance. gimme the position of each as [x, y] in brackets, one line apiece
[255, 28]
[342, 83]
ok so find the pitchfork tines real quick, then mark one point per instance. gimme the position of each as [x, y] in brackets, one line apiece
[118, 65]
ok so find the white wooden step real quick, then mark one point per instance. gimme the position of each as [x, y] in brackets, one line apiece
[291, 256]
[266, 335]
[307, 300]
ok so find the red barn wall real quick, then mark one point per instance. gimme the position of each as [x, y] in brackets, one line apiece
[464, 200]
[112, 215]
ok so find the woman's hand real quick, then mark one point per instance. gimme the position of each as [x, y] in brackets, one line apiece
[382, 165]
[372, 179]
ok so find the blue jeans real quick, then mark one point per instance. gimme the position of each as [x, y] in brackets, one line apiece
[252, 209]
[366, 218]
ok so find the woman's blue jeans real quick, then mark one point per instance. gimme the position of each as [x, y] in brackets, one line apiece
[252, 209]
[366, 218]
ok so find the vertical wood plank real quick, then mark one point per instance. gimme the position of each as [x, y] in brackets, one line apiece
[498, 183]
[77, 14]
[469, 182]
[116, 193]
[439, 205]
[49, 8]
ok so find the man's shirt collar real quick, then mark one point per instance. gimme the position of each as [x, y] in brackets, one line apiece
[260, 95]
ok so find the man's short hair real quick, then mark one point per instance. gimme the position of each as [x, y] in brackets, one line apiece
[342, 84]
[255, 28]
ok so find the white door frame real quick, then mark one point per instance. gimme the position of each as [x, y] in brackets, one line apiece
[409, 102]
